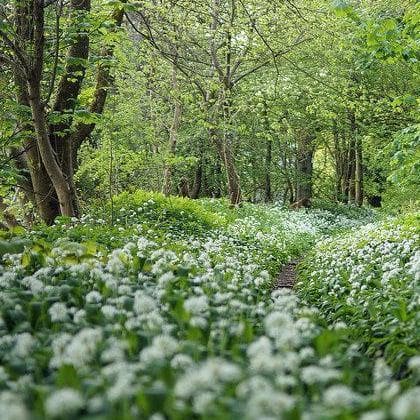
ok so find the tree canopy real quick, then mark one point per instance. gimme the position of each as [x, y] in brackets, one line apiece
[288, 101]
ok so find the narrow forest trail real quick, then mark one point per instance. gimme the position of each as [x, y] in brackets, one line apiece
[287, 276]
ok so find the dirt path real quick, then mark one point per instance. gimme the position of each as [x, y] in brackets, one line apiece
[287, 276]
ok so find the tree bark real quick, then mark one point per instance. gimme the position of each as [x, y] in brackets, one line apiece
[304, 165]
[351, 160]
[268, 157]
[195, 190]
[36, 184]
[46, 151]
[173, 133]
[233, 183]
[65, 102]
[45, 147]
[268, 196]
[359, 173]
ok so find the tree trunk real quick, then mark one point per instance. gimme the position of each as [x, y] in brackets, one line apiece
[195, 190]
[304, 165]
[51, 157]
[268, 157]
[351, 160]
[225, 153]
[338, 160]
[173, 133]
[359, 173]
[46, 151]
[104, 81]
[45, 147]
[36, 183]
[217, 180]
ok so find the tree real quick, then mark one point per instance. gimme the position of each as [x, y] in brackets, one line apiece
[218, 45]
[31, 32]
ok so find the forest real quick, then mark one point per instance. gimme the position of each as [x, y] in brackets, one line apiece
[210, 209]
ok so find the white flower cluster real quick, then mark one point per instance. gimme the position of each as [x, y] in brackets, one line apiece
[189, 327]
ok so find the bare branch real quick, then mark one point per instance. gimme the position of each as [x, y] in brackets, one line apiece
[59, 10]
[277, 54]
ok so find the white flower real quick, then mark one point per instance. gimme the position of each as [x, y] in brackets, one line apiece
[181, 361]
[157, 416]
[382, 375]
[109, 311]
[24, 344]
[407, 406]
[414, 364]
[36, 286]
[115, 352]
[58, 312]
[79, 316]
[260, 347]
[93, 297]
[276, 323]
[12, 407]
[203, 401]
[198, 322]
[95, 404]
[314, 374]
[122, 387]
[166, 279]
[340, 396]
[268, 404]
[210, 375]
[196, 305]
[163, 347]
[252, 385]
[78, 350]
[143, 303]
[373, 415]
[64, 402]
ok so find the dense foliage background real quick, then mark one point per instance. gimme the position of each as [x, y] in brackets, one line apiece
[162, 161]
[259, 101]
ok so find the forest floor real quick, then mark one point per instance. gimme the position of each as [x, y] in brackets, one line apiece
[170, 312]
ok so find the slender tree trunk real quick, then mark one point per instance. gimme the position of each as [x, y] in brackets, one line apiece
[289, 190]
[359, 173]
[104, 82]
[46, 151]
[195, 190]
[225, 153]
[173, 133]
[351, 191]
[338, 162]
[345, 171]
[224, 142]
[351, 171]
[341, 170]
[225, 150]
[217, 181]
[268, 157]
[304, 161]
[36, 182]
[45, 147]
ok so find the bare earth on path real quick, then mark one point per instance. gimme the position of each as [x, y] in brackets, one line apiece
[287, 276]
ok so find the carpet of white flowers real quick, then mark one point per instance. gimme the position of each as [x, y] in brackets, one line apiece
[168, 324]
